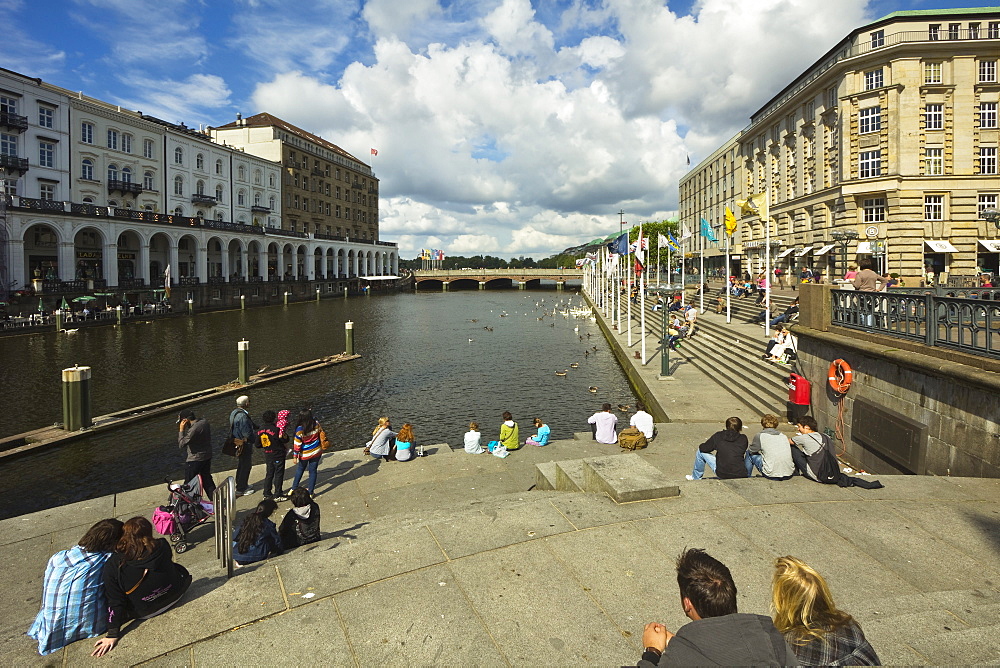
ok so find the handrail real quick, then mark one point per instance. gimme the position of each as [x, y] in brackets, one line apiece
[223, 501]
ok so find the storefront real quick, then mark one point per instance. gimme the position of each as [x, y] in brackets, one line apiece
[126, 264]
[89, 264]
[937, 260]
[988, 260]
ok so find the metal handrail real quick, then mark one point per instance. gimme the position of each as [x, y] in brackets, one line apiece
[224, 501]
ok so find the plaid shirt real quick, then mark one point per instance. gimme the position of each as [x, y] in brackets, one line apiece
[846, 646]
[73, 602]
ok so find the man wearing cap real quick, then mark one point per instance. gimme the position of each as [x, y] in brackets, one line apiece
[195, 437]
[243, 429]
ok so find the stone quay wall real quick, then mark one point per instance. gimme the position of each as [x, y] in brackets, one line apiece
[948, 402]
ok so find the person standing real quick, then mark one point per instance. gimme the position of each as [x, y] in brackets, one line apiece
[770, 452]
[272, 441]
[307, 446]
[867, 280]
[729, 446]
[194, 436]
[509, 436]
[244, 430]
[604, 423]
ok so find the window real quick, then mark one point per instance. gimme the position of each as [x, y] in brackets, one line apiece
[337, 211]
[179, 211]
[47, 191]
[87, 169]
[934, 117]
[878, 39]
[987, 202]
[933, 207]
[199, 162]
[199, 187]
[870, 120]
[147, 148]
[113, 139]
[873, 210]
[270, 181]
[953, 30]
[987, 115]
[127, 143]
[178, 185]
[112, 172]
[126, 175]
[256, 199]
[257, 176]
[932, 73]
[218, 166]
[8, 105]
[870, 164]
[987, 159]
[994, 30]
[987, 71]
[46, 117]
[934, 162]
[243, 173]
[873, 79]
[241, 198]
[933, 32]
[270, 203]
[218, 193]
[147, 181]
[178, 156]
[87, 133]
[973, 31]
[46, 154]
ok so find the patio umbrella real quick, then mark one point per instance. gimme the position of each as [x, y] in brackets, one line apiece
[85, 298]
[65, 304]
[41, 306]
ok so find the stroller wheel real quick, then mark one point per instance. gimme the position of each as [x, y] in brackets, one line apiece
[180, 547]
[175, 537]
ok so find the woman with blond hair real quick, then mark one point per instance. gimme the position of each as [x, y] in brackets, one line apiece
[379, 445]
[804, 612]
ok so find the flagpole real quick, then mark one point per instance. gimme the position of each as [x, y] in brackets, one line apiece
[642, 300]
[767, 263]
[657, 262]
[729, 290]
[628, 305]
[701, 276]
[683, 262]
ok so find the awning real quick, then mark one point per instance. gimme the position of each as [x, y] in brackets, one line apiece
[804, 251]
[378, 278]
[824, 250]
[786, 252]
[940, 246]
[864, 248]
[991, 245]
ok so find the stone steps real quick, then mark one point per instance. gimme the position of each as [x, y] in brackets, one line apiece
[623, 478]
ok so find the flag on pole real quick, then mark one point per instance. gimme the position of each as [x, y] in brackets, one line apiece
[374, 151]
[730, 221]
[706, 230]
[685, 233]
[166, 282]
[673, 243]
[662, 241]
[620, 245]
[755, 205]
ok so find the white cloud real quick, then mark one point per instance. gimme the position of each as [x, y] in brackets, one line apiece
[20, 52]
[175, 101]
[391, 18]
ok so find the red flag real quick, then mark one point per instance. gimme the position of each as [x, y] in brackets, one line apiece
[638, 267]
[374, 151]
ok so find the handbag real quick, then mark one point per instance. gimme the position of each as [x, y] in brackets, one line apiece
[324, 442]
[233, 446]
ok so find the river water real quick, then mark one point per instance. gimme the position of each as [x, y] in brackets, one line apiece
[418, 365]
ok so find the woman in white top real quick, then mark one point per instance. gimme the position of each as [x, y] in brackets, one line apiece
[780, 343]
[472, 445]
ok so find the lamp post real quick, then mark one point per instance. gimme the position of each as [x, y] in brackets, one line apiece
[844, 238]
[991, 215]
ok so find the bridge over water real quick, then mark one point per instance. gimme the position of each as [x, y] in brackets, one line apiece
[492, 278]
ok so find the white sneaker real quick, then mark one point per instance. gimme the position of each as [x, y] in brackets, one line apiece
[690, 477]
[248, 491]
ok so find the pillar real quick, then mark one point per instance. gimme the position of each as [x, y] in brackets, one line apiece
[521, 285]
[243, 359]
[67, 260]
[20, 274]
[190, 304]
[444, 286]
[482, 285]
[349, 337]
[226, 271]
[243, 302]
[173, 257]
[142, 262]
[201, 261]
[111, 264]
[76, 398]
[560, 285]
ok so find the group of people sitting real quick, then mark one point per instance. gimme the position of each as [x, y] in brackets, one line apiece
[604, 423]
[807, 628]
[509, 438]
[775, 455]
[258, 538]
[780, 346]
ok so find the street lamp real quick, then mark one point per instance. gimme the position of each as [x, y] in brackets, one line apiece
[844, 238]
[991, 215]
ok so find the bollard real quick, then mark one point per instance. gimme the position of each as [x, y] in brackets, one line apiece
[243, 357]
[345, 292]
[59, 316]
[482, 285]
[317, 294]
[190, 306]
[664, 348]
[243, 302]
[76, 398]
[349, 337]
[560, 285]
[118, 314]
[286, 298]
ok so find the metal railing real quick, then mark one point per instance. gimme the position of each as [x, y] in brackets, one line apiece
[970, 324]
[223, 501]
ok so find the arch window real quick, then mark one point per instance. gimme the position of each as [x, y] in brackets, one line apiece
[179, 211]
[218, 193]
[256, 199]
[126, 175]
[257, 176]
[270, 180]
[112, 172]
[178, 185]
[178, 156]
[218, 166]
[218, 215]
[148, 207]
[147, 181]
[241, 198]
[200, 214]
[112, 203]
[270, 203]
[243, 173]
[199, 187]
[87, 169]
[88, 200]
[199, 161]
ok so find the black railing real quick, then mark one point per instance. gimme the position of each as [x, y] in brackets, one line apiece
[41, 204]
[156, 282]
[259, 208]
[202, 198]
[89, 210]
[188, 280]
[131, 283]
[124, 186]
[255, 279]
[216, 280]
[386, 243]
[971, 324]
[277, 231]
[12, 163]
[13, 121]
[233, 227]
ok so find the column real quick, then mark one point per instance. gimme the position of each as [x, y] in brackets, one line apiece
[262, 261]
[201, 261]
[173, 258]
[225, 263]
[244, 263]
[67, 260]
[354, 265]
[395, 264]
[311, 264]
[142, 261]
[18, 272]
[111, 263]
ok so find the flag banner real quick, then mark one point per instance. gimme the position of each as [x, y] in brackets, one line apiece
[685, 233]
[166, 282]
[374, 151]
[581, 262]
[730, 221]
[620, 245]
[755, 205]
[674, 244]
[706, 230]
[592, 257]
[662, 241]
[638, 267]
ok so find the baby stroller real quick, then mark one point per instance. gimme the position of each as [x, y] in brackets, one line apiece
[183, 511]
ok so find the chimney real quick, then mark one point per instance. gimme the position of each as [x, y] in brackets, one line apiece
[239, 119]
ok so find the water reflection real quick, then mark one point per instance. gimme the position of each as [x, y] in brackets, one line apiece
[418, 365]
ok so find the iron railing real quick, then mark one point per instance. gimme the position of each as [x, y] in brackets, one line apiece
[970, 323]
[223, 503]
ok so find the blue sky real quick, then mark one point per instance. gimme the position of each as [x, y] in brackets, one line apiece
[508, 127]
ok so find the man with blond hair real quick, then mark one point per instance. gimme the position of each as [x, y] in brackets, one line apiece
[769, 452]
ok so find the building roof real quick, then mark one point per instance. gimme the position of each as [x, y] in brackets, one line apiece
[264, 119]
[920, 13]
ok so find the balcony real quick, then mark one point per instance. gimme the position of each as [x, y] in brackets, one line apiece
[114, 185]
[13, 121]
[131, 283]
[202, 198]
[12, 163]
[260, 208]
[233, 227]
[41, 204]
[285, 233]
[357, 186]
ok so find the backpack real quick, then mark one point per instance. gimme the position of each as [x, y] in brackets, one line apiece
[829, 466]
[631, 438]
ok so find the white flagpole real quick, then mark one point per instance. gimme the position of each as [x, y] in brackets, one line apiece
[767, 264]
[683, 262]
[701, 277]
[628, 304]
[642, 301]
[657, 261]
[729, 291]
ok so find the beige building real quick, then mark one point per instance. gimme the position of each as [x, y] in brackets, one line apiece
[885, 148]
[325, 190]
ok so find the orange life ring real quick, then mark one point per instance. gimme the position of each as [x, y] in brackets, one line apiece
[840, 376]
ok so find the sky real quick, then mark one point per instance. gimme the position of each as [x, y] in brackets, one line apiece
[503, 127]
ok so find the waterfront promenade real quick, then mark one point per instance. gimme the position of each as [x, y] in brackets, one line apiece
[455, 559]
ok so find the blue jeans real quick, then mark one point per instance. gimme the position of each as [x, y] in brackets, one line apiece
[700, 459]
[752, 461]
[312, 465]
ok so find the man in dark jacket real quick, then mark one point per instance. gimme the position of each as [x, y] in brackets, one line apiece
[730, 448]
[718, 634]
[194, 436]
[272, 441]
[243, 430]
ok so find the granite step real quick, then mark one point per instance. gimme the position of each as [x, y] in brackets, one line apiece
[623, 478]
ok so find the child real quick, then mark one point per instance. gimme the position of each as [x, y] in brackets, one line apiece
[257, 538]
[540, 438]
[472, 444]
[272, 440]
[301, 523]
